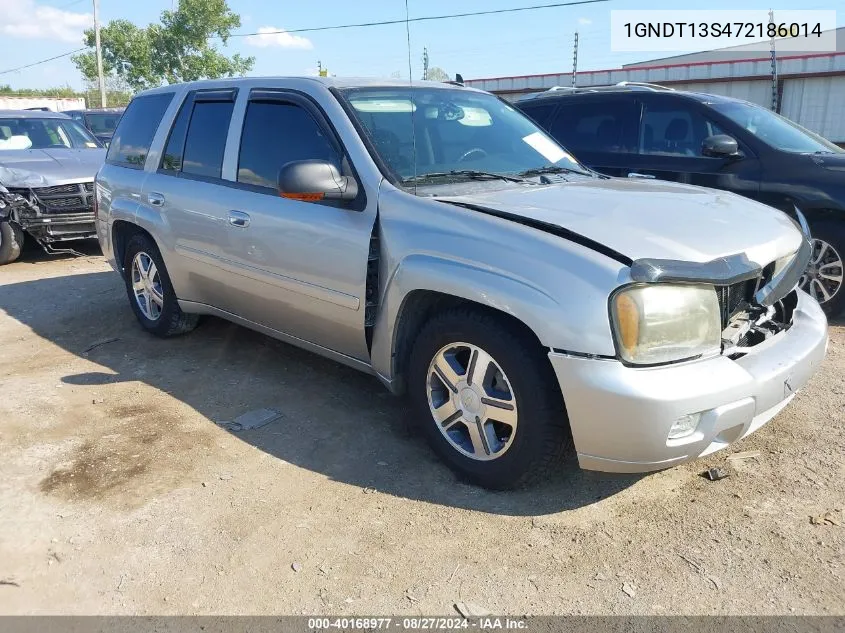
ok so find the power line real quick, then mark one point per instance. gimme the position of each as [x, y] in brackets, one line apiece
[43, 61]
[426, 18]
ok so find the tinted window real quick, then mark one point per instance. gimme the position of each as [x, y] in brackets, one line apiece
[138, 125]
[172, 158]
[206, 138]
[275, 134]
[538, 112]
[675, 130]
[597, 126]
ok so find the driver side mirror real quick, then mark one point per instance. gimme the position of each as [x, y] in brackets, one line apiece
[315, 180]
[720, 146]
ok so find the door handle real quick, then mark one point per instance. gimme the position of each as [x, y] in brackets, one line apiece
[155, 199]
[634, 174]
[238, 219]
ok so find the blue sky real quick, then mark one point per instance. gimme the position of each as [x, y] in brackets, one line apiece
[483, 46]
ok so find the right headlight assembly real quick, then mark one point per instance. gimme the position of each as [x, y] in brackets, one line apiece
[665, 323]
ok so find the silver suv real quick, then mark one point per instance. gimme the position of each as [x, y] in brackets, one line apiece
[435, 237]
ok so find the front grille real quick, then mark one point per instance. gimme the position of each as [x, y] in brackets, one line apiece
[57, 190]
[64, 198]
[74, 202]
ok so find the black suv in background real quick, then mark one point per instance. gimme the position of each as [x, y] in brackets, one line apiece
[647, 131]
[100, 121]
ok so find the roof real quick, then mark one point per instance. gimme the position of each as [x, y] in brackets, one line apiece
[569, 94]
[329, 82]
[32, 114]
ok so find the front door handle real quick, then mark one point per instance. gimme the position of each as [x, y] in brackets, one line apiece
[155, 199]
[238, 219]
[634, 174]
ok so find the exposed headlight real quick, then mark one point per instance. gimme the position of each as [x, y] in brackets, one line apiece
[663, 323]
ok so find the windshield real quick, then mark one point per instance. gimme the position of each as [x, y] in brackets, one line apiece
[453, 130]
[102, 122]
[775, 130]
[30, 133]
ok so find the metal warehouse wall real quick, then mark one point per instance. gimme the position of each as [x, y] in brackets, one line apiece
[759, 92]
[817, 103]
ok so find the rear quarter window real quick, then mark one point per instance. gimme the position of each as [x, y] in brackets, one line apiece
[134, 134]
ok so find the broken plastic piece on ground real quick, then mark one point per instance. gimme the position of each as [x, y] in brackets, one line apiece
[714, 474]
[744, 455]
[252, 420]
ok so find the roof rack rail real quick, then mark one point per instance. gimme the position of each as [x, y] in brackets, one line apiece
[622, 85]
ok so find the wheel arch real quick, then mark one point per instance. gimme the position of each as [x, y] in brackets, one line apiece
[122, 231]
[423, 286]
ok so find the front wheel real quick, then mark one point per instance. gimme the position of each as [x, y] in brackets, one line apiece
[486, 399]
[11, 241]
[823, 279]
[150, 291]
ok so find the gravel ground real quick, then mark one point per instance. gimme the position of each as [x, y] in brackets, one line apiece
[119, 494]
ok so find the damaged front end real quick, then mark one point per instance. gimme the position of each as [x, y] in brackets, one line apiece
[756, 303]
[49, 214]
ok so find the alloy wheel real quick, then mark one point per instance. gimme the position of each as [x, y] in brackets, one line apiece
[146, 285]
[823, 277]
[471, 401]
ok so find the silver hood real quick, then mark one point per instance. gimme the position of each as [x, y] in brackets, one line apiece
[49, 167]
[659, 220]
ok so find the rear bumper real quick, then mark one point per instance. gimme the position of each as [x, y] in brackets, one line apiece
[621, 416]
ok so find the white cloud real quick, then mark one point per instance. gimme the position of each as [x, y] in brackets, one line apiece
[27, 20]
[584, 21]
[272, 36]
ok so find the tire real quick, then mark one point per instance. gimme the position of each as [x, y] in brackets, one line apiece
[512, 456]
[162, 319]
[11, 241]
[831, 234]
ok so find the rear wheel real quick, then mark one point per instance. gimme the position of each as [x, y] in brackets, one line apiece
[486, 399]
[150, 291]
[11, 241]
[823, 279]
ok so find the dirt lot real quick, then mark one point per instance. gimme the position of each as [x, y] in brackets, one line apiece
[120, 494]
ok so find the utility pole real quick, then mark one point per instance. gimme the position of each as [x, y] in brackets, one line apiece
[425, 63]
[575, 59]
[774, 67]
[100, 76]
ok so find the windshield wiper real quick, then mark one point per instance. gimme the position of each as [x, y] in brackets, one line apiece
[553, 169]
[468, 173]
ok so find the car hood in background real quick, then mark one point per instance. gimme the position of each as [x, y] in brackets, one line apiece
[49, 167]
[651, 219]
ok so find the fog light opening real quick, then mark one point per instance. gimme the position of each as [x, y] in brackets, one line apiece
[684, 426]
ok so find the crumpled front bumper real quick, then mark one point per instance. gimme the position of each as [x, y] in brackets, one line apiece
[621, 416]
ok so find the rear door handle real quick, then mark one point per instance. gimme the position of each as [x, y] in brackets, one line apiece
[634, 174]
[238, 219]
[155, 199]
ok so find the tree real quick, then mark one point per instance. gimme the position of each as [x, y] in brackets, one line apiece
[435, 73]
[175, 50]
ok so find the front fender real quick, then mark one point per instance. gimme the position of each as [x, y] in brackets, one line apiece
[520, 298]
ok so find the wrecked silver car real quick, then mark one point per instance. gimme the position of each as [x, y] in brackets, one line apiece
[47, 167]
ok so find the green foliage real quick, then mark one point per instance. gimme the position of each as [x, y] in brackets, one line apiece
[63, 92]
[177, 49]
[435, 73]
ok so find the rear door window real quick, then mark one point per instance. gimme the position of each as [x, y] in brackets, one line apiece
[137, 127]
[597, 125]
[278, 132]
[206, 138]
